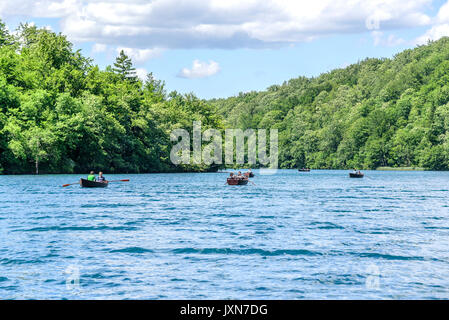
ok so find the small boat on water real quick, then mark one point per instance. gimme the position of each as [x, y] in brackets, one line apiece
[304, 170]
[355, 175]
[92, 184]
[237, 181]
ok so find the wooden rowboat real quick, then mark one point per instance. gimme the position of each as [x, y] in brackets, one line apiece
[92, 184]
[237, 182]
[355, 175]
[304, 170]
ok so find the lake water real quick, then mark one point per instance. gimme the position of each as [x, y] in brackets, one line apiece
[292, 235]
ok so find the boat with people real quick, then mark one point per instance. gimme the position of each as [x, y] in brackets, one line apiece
[356, 174]
[92, 184]
[304, 170]
[237, 179]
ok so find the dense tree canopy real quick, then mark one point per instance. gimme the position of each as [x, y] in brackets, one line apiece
[61, 113]
[378, 112]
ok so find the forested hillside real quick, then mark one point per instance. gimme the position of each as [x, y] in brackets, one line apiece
[61, 113]
[378, 112]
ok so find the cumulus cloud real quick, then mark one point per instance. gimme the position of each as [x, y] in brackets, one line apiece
[41, 8]
[387, 41]
[440, 26]
[145, 25]
[99, 47]
[140, 55]
[200, 69]
[435, 33]
[141, 73]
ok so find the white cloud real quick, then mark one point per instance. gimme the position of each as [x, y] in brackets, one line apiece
[42, 8]
[99, 47]
[435, 33]
[200, 69]
[440, 26]
[390, 41]
[141, 55]
[145, 25]
[141, 73]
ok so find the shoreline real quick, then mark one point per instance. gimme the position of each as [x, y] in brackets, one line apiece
[404, 169]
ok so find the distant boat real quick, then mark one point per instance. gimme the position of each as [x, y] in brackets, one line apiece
[355, 175]
[92, 184]
[304, 170]
[237, 181]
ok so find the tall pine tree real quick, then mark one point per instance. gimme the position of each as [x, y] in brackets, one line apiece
[4, 34]
[124, 66]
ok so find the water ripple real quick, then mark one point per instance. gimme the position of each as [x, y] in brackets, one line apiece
[188, 236]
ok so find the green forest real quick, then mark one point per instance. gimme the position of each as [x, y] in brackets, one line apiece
[371, 114]
[59, 113]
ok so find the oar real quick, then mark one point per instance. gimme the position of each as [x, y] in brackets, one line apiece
[122, 180]
[69, 184]
[251, 182]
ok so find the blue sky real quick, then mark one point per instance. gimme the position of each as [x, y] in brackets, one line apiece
[218, 49]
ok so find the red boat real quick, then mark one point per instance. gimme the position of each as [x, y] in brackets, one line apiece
[237, 181]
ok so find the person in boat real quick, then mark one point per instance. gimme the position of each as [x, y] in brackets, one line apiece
[231, 175]
[101, 178]
[91, 176]
[240, 175]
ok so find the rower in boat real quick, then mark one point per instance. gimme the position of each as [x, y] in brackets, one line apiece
[94, 182]
[101, 178]
[356, 174]
[91, 176]
[249, 174]
[239, 179]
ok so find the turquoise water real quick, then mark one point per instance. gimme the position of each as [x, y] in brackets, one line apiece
[173, 236]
